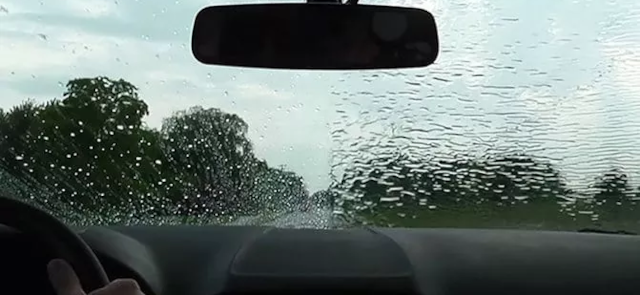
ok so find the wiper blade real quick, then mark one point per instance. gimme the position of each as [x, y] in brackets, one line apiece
[604, 231]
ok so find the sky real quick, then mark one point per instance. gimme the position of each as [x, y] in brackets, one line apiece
[555, 79]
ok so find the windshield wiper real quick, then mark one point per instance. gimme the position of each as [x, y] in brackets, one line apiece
[604, 231]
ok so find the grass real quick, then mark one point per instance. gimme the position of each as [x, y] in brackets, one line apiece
[541, 215]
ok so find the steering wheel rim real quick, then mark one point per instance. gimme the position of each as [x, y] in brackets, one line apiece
[66, 244]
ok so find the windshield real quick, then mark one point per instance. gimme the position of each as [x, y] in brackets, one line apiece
[529, 119]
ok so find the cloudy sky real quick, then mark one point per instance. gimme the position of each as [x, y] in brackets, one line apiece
[556, 79]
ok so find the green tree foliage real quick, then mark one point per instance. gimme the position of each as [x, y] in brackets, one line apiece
[92, 151]
[614, 197]
[324, 198]
[217, 168]
[211, 150]
[280, 189]
[388, 182]
[613, 186]
[87, 149]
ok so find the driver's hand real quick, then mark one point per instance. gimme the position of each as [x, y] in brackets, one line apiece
[66, 282]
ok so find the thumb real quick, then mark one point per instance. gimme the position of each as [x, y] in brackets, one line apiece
[63, 279]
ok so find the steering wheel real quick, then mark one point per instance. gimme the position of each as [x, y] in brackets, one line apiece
[54, 234]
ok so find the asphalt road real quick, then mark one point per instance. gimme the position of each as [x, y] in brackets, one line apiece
[321, 218]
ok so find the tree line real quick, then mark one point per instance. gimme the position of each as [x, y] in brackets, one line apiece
[402, 181]
[91, 152]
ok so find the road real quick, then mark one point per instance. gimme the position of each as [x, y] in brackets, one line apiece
[321, 218]
[313, 218]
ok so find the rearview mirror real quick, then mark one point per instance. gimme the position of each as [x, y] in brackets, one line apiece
[315, 36]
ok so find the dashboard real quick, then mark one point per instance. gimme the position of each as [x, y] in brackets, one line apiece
[198, 260]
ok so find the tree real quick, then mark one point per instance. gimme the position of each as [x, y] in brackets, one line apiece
[276, 189]
[90, 149]
[388, 182]
[15, 137]
[613, 186]
[212, 150]
[324, 198]
[92, 152]
[517, 177]
[218, 167]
